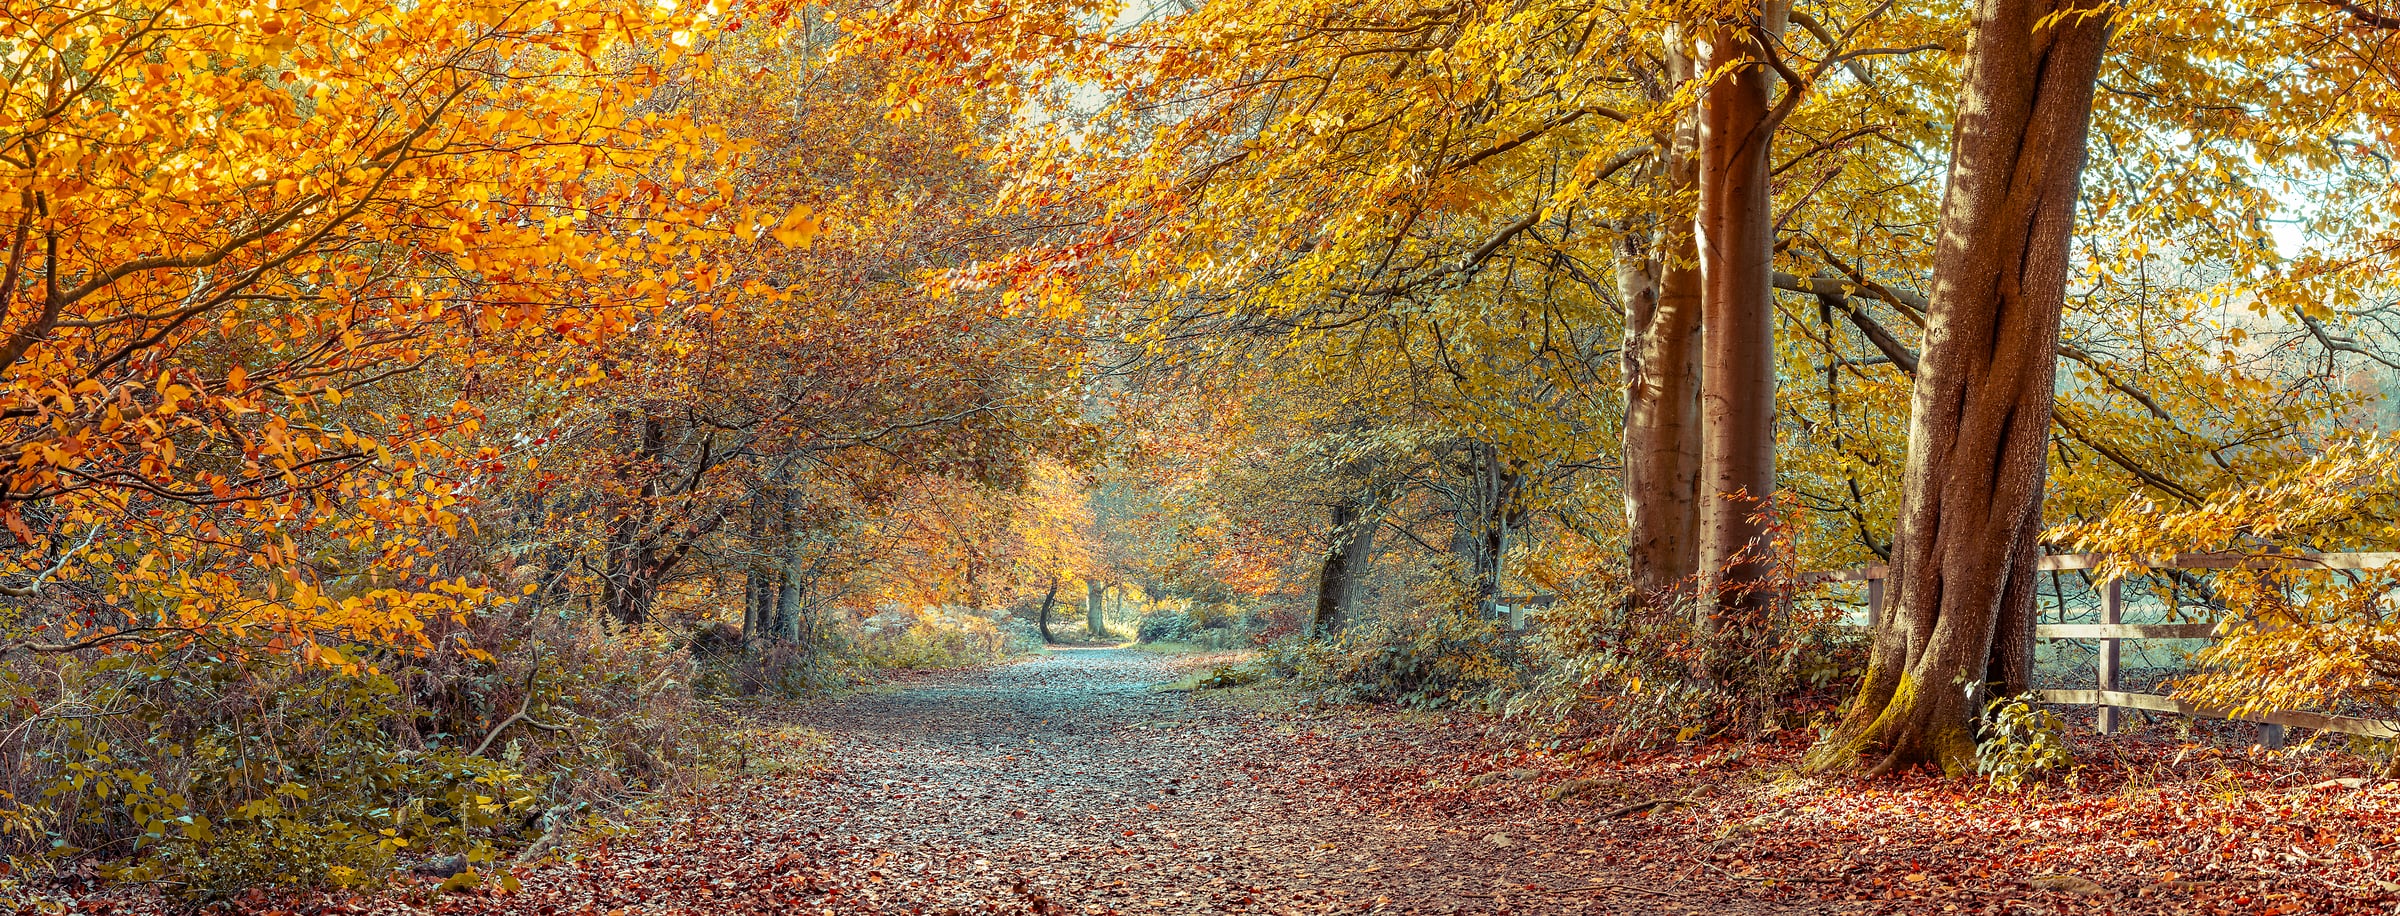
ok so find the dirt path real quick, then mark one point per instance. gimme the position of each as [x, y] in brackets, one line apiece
[1068, 784]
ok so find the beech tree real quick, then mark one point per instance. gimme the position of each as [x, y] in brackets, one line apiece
[1736, 238]
[257, 267]
[1962, 574]
[810, 385]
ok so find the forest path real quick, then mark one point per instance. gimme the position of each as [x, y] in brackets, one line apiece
[1069, 784]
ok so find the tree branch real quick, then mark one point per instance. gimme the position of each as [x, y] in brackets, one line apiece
[27, 591]
[519, 716]
[2367, 17]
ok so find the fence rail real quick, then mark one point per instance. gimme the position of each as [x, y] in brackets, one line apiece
[1512, 608]
[2112, 630]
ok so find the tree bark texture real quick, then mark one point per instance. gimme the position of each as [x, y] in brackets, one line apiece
[1345, 566]
[1734, 226]
[1094, 604]
[1963, 561]
[1658, 280]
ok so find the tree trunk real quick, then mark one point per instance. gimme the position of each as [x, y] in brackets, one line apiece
[1096, 602]
[791, 599]
[1049, 600]
[1980, 416]
[633, 562]
[1735, 228]
[2008, 669]
[756, 623]
[1488, 509]
[1344, 566]
[1658, 279]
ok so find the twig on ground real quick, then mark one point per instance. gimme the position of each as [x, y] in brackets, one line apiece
[1641, 806]
[557, 823]
[1765, 879]
[1601, 886]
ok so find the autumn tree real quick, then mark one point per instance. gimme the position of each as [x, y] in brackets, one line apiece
[256, 260]
[1971, 506]
[811, 370]
[1454, 166]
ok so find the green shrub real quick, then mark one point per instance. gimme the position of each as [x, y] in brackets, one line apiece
[1165, 626]
[1226, 677]
[210, 770]
[1445, 659]
[2022, 744]
[942, 638]
[304, 786]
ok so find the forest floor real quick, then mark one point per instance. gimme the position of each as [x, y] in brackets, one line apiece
[1070, 784]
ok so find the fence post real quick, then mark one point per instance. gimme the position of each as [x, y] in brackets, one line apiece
[2270, 735]
[1874, 598]
[2112, 610]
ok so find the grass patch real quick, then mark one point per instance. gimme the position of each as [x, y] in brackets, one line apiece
[1212, 671]
[783, 750]
[1174, 648]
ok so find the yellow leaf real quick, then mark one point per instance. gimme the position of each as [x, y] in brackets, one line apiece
[799, 227]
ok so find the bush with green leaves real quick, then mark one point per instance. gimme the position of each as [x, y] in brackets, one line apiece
[210, 770]
[1165, 626]
[946, 637]
[1441, 659]
[2022, 744]
[277, 775]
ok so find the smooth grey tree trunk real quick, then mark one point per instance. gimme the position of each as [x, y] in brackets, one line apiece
[1095, 603]
[790, 600]
[757, 597]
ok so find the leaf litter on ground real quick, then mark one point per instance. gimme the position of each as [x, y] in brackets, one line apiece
[1065, 785]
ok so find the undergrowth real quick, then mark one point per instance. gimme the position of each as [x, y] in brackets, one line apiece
[839, 653]
[1442, 659]
[1595, 670]
[1621, 675]
[206, 770]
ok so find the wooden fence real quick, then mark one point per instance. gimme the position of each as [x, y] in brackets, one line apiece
[1513, 608]
[2111, 631]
